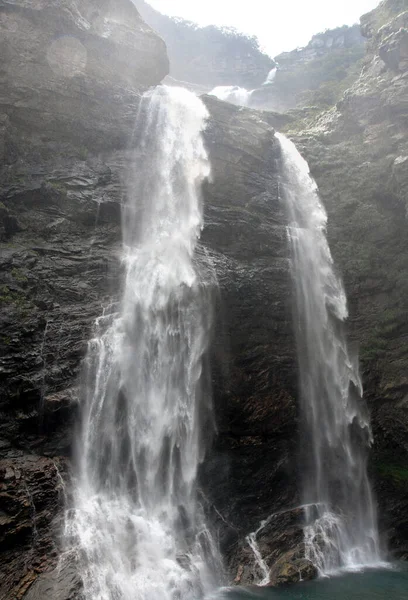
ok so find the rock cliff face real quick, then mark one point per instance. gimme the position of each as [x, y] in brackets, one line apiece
[70, 70]
[250, 472]
[358, 154]
[321, 44]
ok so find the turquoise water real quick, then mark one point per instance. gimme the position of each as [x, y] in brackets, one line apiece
[375, 585]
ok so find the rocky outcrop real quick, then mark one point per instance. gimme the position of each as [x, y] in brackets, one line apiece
[279, 541]
[71, 72]
[357, 153]
[321, 44]
[31, 493]
[293, 567]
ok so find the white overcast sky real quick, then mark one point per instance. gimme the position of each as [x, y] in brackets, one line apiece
[280, 25]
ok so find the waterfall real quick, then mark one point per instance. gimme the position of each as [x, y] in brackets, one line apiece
[139, 531]
[238, 95]
[251, 540]
[341, 523]
[232, 94]
[271, 76]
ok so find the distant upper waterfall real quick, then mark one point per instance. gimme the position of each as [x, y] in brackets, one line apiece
[146, 413]
[232, 94]
[240, 96]
[341, 523]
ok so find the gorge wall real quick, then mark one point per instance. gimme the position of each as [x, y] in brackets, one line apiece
[65, 125]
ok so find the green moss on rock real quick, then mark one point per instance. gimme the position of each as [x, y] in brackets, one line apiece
[397, 473]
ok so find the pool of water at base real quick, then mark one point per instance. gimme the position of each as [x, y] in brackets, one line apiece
[390, 584]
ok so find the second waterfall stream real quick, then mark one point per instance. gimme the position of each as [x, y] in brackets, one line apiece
[341, 530]
[136, 522]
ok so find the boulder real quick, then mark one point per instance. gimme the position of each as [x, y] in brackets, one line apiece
[292, 568]
[279, 541]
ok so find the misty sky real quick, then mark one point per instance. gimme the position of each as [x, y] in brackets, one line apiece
[279, 24]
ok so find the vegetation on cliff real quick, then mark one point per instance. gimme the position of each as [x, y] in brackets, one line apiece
[316, 75]
[209, 56]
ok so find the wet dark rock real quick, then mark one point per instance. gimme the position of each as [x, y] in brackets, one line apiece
[249, 473]
[31, 499]
[292, 568]
[62, 583]
[279, 541]
[56, 274]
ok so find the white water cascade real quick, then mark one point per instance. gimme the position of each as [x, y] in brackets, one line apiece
[238, 95]
[139, 531]
[271, 76]
[341, 524]
[232, 94]
[252, 542]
